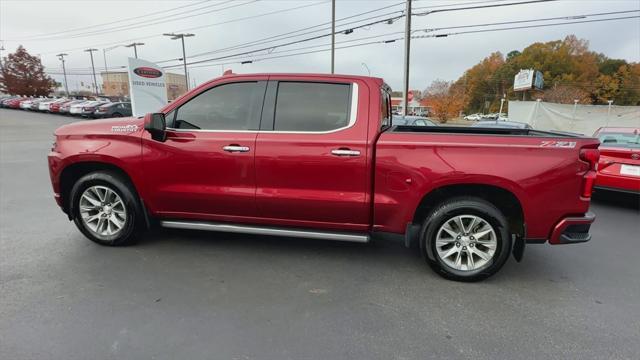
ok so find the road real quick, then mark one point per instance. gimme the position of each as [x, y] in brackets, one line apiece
[190, 295]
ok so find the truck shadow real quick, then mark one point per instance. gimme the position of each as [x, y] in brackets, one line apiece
[616, 199]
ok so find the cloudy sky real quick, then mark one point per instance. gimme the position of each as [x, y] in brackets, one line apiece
[47, 28]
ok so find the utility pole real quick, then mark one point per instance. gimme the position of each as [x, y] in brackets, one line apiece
[609, 111]
[333, 36]
[1, 50]
[64, 72]
[95, 81]
[407, 52]
[184, 55]
[135, 47]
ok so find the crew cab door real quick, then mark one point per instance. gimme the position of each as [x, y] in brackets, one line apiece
[311, 154]
[205, 168]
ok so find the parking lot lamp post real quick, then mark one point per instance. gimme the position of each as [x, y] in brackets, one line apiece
[95, 81]
[184, 55]
[135, 48]
[609, 111]
[501, 104]
[64, 72]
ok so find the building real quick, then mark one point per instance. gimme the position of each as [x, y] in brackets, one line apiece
[416, 107]
[116, 83]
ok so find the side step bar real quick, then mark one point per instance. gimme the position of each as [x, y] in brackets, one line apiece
[265, 230]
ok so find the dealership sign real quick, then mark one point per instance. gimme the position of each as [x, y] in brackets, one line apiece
[148, 88]
[528, 79]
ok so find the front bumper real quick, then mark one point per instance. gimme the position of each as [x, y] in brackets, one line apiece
[572, 230]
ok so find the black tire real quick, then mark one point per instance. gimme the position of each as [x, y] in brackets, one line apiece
[116, 115]
[134, 224]
[465, 206]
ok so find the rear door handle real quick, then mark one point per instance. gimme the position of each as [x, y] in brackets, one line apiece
[345, 152]
[233, 148]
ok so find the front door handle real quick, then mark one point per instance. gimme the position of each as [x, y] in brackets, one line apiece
[233, 148]
[345, 152]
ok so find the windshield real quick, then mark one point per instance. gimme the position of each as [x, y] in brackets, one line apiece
[620, 140]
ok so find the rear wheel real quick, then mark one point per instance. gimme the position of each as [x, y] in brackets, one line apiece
[116, 115]
[106, 209]
[466, 239]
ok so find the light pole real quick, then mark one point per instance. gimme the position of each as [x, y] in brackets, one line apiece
[609, 111]
[333, 35]
[501, 104]
[1, 50]
[407, 52]
[366, 67]
[64, 72]
[184, 55]
[135, 47]
[95, 81]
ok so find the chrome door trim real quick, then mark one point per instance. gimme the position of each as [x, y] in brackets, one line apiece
[266, 230]
[353, 116]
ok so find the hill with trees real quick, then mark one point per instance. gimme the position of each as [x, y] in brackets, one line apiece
[571, 71]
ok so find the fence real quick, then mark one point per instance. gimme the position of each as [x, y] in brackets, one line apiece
[583, 119]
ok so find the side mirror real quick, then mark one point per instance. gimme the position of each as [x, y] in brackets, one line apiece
[156, 125]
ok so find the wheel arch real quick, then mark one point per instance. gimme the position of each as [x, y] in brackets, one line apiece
[506, 201]
[71, 173]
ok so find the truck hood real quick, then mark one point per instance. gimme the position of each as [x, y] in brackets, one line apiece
[122, 126]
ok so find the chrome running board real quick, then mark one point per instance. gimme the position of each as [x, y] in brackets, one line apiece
[265, 230]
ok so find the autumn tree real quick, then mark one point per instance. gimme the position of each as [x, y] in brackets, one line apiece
[446, 99]
[570, 70]
[23, 74]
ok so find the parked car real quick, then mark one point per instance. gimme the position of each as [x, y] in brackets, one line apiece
[473, 117]
[44, 104]
[76, 108]
[36, 103]
[324, 162]
[502, 124]
[619, 166]
[55, 106]
[90, 107]
[66, 107]
[12, 103]
[111, 110]
[410, 120]
[26, 104]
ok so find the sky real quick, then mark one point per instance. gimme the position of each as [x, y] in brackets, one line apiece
[47, 28]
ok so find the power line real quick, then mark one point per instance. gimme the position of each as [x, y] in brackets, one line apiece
[112, 22]
[425, 36]
[573, 17]
[160, 20]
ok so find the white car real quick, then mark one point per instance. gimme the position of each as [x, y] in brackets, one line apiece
[76, 109]
[473, 117]
[44, 105]
[26, 105]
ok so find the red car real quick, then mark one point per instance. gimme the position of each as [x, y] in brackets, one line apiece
[619, 166]
[317, 156]
[14, 103]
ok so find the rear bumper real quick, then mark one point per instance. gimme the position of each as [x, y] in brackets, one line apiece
[617, 182]
[572, 230]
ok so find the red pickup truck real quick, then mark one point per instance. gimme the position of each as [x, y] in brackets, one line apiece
[317, 156]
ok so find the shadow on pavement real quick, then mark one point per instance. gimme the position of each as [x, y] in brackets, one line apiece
[617, 199]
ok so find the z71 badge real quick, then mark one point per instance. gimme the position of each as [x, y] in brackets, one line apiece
[560, 144]
[124, 128]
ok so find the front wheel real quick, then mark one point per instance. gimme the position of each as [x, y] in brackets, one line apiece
[106, 209]
[466, 239]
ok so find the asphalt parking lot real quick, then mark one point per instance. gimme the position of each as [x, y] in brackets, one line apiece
[190, 295]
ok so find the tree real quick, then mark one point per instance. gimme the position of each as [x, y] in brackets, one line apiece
[23, 74]
[445, 98]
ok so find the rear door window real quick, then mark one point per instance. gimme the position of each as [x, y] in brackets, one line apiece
[312, 107]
